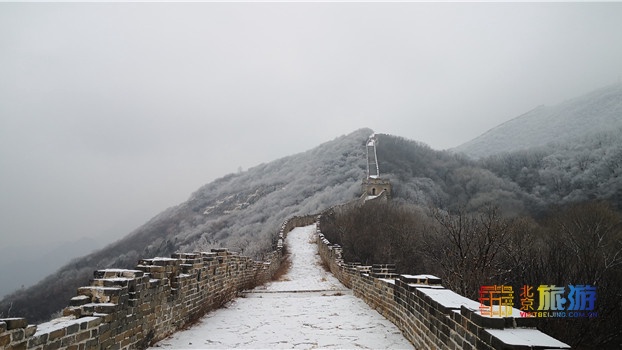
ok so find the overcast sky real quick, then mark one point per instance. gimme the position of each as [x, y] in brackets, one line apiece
[110, 113]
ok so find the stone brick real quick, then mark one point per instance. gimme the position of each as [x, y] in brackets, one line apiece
[112, 273]
[30, 330]
[82, 336]
[498, 344]
[106, 343]
[15, 323]
[466, 346]
[52, 345]
[57, 334]
[526, 322]
[487, 322]
[105, 335]
[101, 294]
[66, 341]
[5, 339]
[19, 346]
[17, 335]
[37, 340]
[92, 344]
[94, 322]
[73, 328]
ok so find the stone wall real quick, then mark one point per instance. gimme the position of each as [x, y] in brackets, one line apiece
[430, 316]
[132, 309]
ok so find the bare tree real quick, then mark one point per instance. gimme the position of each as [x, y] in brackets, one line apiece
[469, 248]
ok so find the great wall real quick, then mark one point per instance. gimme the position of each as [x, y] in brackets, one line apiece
[133, 309]
[430, 316]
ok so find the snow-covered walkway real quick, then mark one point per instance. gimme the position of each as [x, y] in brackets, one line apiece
[309, 308]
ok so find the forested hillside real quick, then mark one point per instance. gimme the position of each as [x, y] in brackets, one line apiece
[586, 168]
[443, 179]
[549, 215]
[240, 211]
[576, 244]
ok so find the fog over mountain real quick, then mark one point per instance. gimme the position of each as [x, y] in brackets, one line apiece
[111, 112]
[241, 211]
[595, 112]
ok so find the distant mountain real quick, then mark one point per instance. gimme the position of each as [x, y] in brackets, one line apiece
[241, 211]
[598, 111]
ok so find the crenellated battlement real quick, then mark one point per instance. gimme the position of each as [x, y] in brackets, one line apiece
[429, 315]
[132, 309]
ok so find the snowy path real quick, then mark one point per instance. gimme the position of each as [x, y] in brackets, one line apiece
[309, 308]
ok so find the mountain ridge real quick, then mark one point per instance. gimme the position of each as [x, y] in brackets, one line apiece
[241, 211]
[591, 113]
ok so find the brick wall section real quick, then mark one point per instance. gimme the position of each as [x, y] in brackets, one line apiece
[430, 316]
[132, 309]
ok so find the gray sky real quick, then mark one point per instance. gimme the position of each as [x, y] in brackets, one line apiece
[109, 113]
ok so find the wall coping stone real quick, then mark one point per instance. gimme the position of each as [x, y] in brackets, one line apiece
[529, 338]
[106, 273]
[14, 322]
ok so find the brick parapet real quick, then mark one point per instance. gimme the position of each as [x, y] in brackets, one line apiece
[430, 316]
[132, 309]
